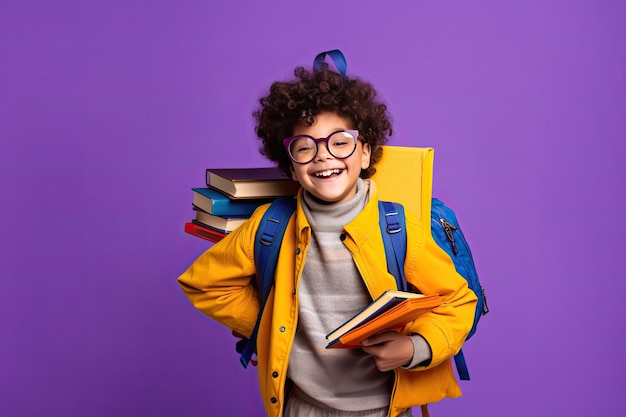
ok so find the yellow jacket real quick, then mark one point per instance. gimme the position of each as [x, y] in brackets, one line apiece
[220, 283]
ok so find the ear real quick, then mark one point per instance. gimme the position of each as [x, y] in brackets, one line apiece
[366, 154]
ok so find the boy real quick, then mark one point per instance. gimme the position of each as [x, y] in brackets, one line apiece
[326, 130]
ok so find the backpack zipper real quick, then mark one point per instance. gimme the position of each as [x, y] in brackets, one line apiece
[449, 228]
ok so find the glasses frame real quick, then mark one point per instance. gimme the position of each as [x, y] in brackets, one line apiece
[287, 143]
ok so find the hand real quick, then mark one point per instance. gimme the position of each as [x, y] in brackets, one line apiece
[390, 350]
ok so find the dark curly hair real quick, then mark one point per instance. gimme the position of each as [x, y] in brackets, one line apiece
[293, 102]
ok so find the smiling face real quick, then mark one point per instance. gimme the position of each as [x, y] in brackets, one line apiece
[329, 179]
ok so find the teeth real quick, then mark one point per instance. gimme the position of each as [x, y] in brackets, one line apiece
[327, 173]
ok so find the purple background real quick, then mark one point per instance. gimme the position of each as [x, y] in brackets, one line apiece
[111, 111]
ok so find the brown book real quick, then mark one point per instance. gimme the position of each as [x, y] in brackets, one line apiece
[391, 311]
[266, 182]
[221, 224]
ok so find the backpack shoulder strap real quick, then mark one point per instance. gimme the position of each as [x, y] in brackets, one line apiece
[393, 229]
[269, 237]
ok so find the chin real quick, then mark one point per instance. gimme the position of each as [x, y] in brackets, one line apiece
[326, 199]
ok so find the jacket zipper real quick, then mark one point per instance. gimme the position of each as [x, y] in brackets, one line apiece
[395, 371]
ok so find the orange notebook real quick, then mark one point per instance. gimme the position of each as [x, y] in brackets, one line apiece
[391, 311]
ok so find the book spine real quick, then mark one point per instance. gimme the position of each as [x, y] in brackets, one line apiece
[217, 203]
[230, 208]
[210, 228]
[204, 233]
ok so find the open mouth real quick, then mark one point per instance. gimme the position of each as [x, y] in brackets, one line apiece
[328, 173]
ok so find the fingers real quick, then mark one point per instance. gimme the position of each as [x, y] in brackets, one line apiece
[383, 337]
[389, 350]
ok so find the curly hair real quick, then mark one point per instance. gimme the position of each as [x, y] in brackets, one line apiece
[298, 102]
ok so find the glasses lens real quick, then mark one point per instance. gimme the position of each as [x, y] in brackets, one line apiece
[341, 144]
[302, 149]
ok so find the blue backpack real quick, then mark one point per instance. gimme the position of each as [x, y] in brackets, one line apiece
[445, 231]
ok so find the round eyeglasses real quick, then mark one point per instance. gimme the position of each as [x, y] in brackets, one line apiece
[302, 149]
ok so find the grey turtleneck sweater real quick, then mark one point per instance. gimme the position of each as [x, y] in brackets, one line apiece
[331, 291]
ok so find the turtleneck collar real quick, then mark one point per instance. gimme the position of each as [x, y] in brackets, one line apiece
[335, 215]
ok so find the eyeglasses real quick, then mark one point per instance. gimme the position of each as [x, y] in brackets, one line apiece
[302, 149]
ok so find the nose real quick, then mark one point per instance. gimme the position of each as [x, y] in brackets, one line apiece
[322, 151]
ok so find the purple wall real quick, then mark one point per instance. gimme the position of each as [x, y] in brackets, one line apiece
[110, 112]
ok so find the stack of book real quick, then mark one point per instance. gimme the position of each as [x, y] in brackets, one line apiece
[231, 195]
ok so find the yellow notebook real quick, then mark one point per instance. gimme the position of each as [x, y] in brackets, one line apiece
[405, 175]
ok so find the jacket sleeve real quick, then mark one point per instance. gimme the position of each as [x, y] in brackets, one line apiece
[221, 282]
[430, 270]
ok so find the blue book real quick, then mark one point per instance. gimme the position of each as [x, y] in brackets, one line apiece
[219, 204]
